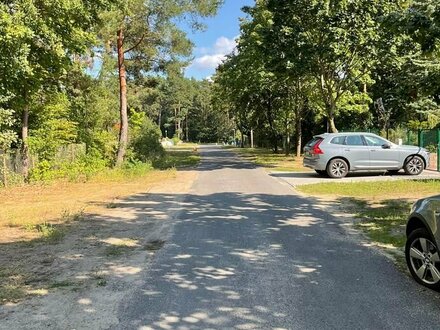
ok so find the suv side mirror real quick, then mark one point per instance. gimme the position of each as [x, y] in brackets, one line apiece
[386, 146]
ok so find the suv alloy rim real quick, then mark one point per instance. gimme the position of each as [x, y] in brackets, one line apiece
[338, 169]
[415, 165]
[424, 260]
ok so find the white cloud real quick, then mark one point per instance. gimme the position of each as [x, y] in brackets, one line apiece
[207, 62]
[211, 57]
[224, 45]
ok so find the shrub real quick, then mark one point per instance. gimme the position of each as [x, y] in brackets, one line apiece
[146, 142]
[432, 148]
[79, 170]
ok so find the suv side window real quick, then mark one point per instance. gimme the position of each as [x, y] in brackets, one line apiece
[338, 140]
[354, 140]
[374, 141]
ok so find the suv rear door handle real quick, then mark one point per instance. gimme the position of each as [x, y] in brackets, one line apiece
[347, 149]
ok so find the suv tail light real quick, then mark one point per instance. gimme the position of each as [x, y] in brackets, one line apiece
[316, 150]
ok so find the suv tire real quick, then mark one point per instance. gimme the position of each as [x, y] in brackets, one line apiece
[422, 258]
[414, 165]
[337, 168]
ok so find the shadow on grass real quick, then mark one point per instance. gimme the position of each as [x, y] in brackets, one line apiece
[383, 221]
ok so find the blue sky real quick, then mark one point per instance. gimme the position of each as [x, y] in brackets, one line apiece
[217, 40]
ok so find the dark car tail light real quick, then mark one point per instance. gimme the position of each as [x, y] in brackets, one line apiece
[316, 150]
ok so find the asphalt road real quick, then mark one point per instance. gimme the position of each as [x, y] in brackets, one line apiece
[246, 252]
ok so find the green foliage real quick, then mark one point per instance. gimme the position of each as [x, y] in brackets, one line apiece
[7, 135]
[48, 232]
[177, 159]
[146, 141]
[81, 169]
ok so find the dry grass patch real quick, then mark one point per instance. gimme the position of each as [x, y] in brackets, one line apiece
[39, 208]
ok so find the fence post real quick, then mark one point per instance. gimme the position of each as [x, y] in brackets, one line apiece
[420, 138]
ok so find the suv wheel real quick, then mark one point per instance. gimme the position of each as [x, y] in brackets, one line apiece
[414, 165]
[422, 258]
[337, 168]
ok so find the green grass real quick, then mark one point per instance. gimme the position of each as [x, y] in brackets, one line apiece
[178, 158]
[117, 250]
[375, 190]
[60, 284]
[384, 222]
[48, 232]
[381, 208]
[275, 162]
[12, 282]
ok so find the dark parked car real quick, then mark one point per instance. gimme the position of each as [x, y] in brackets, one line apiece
[423, 239]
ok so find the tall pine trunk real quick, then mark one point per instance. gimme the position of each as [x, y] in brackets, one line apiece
[123, 130]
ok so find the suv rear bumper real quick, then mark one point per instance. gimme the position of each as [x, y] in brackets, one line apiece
[314, 164]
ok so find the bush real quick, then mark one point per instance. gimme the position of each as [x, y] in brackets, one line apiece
[432, 148]
[146, 142]
[176, 140]
[80, 170]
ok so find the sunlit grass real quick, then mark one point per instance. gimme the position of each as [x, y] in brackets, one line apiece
[178, 158]
[275, 162]
[381, 208]
[375, 190]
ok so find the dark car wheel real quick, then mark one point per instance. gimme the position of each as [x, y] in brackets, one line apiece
[414, 165]
[423, 259]
[337, 168]
[321, 172]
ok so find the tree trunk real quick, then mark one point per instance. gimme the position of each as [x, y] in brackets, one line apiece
[25, 144]
[298, 135]
[186, 129]
[287, 138]
[331, 124]
[123, 130]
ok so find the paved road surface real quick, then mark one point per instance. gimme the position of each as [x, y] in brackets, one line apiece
[247, 253]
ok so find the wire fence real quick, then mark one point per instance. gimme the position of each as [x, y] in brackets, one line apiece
[12, 161]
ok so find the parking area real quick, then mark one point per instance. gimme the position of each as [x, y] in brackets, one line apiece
[303, 178]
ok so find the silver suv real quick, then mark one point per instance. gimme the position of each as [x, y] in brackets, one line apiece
[423, 239]
[336, 154]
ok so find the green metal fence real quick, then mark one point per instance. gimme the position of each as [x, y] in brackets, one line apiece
[430, 139]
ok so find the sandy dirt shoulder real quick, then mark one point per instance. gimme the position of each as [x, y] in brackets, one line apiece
[103, 258]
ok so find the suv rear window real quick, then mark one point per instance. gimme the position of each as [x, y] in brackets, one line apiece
[314, 141]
